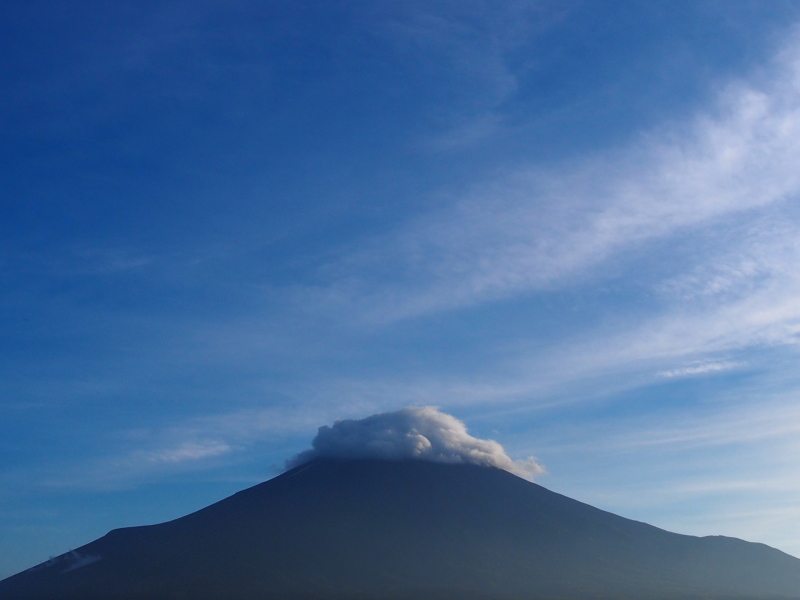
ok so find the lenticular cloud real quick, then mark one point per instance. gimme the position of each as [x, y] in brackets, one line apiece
[421, 433]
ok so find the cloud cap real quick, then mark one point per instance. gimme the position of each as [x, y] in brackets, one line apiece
[414, 432]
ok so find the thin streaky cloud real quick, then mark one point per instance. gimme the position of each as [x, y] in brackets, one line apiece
[775, 420]
[192, 444]
[186, 451]
[538, 230]
[703, 368]
[699, 334]
[126, 469]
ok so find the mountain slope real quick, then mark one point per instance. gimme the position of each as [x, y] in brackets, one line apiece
[407, 529]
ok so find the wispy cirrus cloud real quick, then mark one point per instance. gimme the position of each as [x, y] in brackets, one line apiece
[537, 229]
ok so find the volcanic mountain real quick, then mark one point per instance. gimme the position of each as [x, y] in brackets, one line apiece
[383, 529]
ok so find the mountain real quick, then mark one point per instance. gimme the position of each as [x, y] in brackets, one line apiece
[371, 529]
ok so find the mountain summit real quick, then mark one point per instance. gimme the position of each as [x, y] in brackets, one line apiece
[403, 529]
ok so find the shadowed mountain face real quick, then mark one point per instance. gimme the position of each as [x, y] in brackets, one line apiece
[406, 529]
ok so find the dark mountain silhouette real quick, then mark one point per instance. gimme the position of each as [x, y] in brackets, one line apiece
[337, 529]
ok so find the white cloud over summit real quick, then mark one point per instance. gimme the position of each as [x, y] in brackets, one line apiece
[420, 433]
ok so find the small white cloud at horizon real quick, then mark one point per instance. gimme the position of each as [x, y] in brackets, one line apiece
[701, 368]
[187, 451]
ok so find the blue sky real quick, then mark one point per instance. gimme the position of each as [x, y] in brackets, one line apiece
[572, 225]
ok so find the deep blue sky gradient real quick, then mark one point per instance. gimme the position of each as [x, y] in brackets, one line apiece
[228, 223]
